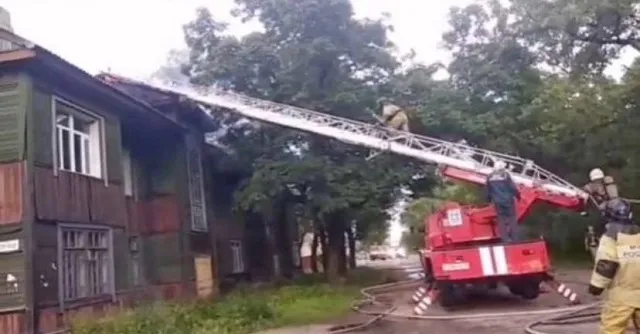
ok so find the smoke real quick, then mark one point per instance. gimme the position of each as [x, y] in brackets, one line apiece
[228, 122]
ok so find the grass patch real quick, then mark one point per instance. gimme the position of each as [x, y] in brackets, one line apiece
[309, 300]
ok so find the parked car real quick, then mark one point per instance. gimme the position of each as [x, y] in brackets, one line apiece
[379, 255]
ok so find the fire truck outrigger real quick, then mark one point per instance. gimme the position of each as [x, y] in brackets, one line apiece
[462, 244]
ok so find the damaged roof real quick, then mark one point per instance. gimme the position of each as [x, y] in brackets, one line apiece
[163, 99]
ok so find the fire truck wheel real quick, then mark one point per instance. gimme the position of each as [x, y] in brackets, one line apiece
[446, 294]
[530, 291]
[428, 271]
[526, 290]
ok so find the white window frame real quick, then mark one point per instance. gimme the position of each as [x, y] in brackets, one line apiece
[127, 169]
[84, 290]
[237, 256]
[95, 164]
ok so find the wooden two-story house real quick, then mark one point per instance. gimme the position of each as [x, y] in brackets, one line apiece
[102, 198]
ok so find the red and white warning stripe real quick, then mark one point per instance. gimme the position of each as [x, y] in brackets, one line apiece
[493, 260]
[417, 296]
[566, 292]
[425, 303]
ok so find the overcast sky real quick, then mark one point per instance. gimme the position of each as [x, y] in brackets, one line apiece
[132, 37]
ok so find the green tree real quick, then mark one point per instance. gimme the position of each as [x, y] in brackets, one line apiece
[530, 86]
[578, 37]
[313, 54]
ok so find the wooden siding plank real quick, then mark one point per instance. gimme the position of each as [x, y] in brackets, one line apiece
[136, 216]
[108, 204]
[72, 202]
[122, 260]
[71, 197]
[42, 103]
[12, 296]
[13, 105]
[12, 323]
[46, 194]
[46, 275]
[45, 262]
[64, 197]
[163, 260]
[114, 150]
[11, 192]
[163, 215]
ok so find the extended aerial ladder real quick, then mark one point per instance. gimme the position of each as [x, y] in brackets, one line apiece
[464, 161]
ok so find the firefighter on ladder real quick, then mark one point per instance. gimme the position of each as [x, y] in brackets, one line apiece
[617, 269]
[393, 116]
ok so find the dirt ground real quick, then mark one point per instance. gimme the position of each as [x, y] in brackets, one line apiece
[495, 302]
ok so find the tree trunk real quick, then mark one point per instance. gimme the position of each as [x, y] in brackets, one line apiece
[336, 268]
[333, 254]
[342, 255]
[324, 247]
[285, 243]
[352, 247]
[314, 252]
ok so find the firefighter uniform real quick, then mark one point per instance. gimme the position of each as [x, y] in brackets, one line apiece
[394, 117]
[601, 188]
[617, 269]
[503, 193]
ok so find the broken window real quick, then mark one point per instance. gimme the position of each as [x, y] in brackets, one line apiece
[87, 265]
[77, 140]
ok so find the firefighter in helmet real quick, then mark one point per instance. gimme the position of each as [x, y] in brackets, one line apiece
[503, 193]
[393, 116]
[601, 188]
[617, 268]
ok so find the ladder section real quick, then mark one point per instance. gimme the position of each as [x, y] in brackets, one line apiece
[375, 137]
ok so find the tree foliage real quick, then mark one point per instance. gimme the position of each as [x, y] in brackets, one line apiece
[312, 54]
[526, 78]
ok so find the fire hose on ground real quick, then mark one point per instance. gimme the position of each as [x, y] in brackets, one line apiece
[558, 316]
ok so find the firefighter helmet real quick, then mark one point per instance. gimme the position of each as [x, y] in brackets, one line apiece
[596, 174]
[499, 165]
[383, 101]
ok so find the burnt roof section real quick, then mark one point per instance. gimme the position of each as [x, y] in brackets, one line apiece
[18, 52]
[164, 100]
